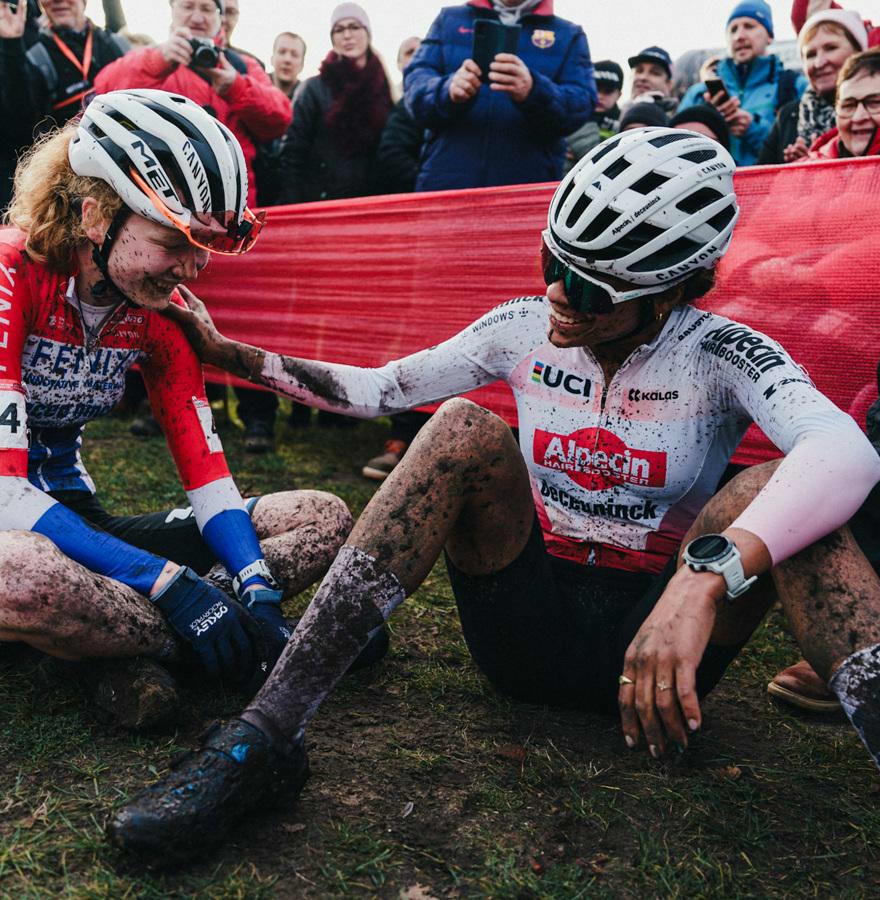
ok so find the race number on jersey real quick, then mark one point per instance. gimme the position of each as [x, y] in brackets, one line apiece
[13, 417]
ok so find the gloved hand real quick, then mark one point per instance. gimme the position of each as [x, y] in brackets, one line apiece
[264, 605]
[219, 629]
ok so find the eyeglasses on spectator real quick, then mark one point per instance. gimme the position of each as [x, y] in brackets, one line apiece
[846, 109]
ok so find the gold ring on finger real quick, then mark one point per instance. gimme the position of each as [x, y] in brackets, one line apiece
[625, 679]
[663, 686]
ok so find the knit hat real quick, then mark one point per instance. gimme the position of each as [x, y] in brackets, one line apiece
[705, 115]
[846, 18]
[606, 72]
[649, 114]
[351, 11]
[754, 9]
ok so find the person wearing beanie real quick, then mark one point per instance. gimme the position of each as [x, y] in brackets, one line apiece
[826, 41]
[800, 12]
[605, 120]
[756, 84]
[643, 115]
[705, 120]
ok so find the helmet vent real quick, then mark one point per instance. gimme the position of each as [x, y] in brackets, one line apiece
[577, 210]
[720, 220]
[605, 150]
[649, 183]
[604, 220]
[699, 156]
[699, 199]
[665, 139]
[630, 242]
[565, 194]
[616, 168]
[677, 252]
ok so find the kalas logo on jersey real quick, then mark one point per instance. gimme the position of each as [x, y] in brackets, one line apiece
[637, 396]
[596, 459]
[554, 378]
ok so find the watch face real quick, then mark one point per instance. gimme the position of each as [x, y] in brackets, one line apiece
[708, 548]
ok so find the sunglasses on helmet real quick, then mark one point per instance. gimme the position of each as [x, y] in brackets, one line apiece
[584, 294]
[238, 239]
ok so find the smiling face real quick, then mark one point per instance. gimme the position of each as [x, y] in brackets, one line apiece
[569, 328]
[66, 13]
[201, 17]
[148, 261]
[858, 130]
[350, 39]
[747, 39]
[824, 55]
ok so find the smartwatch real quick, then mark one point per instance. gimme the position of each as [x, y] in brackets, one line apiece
[718, 554]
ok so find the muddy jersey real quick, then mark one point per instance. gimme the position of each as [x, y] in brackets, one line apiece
[620, 470]
[56, 376]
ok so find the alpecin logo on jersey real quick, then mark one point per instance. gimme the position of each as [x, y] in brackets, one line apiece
[542, 373]
[743, 349]
[596, 459]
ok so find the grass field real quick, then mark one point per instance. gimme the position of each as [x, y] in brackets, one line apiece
[427, 784]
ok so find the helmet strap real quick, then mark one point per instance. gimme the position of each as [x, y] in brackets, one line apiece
[101, 255]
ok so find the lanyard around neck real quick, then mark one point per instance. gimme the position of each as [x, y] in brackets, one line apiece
[81, 67]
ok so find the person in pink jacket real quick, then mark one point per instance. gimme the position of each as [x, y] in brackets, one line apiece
[234, 88]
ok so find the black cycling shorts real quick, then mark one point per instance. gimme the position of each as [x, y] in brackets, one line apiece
[171, 534]
[550, 631]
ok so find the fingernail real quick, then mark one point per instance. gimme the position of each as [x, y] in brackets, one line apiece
[629, 741]
[693, 724]
[654, 751]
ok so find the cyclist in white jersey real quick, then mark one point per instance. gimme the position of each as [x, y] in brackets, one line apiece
[592, 565]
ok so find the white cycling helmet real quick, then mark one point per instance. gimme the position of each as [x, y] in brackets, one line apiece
[650, 206]
[170, 161]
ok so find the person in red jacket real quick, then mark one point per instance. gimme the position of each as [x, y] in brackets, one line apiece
[858, 111]
[236, 90]
[801, 10]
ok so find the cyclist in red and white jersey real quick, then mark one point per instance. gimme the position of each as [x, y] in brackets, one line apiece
[112, 213]
[594, 565]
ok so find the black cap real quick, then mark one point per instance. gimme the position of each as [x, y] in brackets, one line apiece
[705, 115]
[649, 114]
[653, 55]
[608, 73]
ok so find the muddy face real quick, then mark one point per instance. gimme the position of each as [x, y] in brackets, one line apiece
[148, 261]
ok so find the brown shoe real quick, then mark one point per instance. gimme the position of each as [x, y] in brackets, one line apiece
[800, 686]
[380, 467]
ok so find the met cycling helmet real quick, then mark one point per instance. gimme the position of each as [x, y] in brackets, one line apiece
[650, 206]
[171, 162]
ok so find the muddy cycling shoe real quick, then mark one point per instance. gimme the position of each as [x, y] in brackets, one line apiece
[237, 770]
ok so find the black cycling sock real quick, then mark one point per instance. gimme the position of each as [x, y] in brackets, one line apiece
[857, 685]
[355, 598]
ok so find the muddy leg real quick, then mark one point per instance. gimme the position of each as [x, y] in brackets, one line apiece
[462, 484]
[300, 533]
[54, 604]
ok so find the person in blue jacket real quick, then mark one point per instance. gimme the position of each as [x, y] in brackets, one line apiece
[757, 84]
[511, 130]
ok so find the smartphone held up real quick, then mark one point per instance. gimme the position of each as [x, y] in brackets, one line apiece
[490, 39]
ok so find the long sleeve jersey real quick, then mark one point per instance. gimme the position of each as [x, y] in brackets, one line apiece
[55, 377]
[620, 470]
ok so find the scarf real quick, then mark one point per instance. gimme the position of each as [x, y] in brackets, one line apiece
[510, 15]
[815, 116]
[361, 103]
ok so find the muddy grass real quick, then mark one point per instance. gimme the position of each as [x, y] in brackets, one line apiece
[426, 783]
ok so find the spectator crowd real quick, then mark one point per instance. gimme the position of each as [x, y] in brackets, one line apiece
[526, 112]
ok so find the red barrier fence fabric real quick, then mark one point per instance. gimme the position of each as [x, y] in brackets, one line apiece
[364, 281]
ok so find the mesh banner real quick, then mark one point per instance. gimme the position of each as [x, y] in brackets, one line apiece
[364, 281]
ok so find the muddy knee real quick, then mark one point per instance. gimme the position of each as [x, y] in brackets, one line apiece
[461, 425]
[32, 572]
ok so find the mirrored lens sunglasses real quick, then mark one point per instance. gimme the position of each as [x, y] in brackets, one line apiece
[237, 240]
